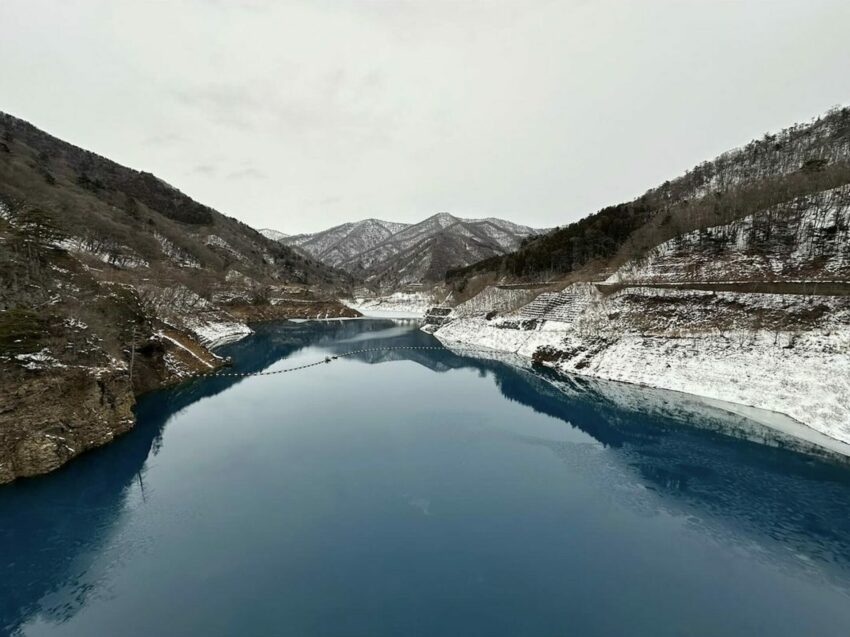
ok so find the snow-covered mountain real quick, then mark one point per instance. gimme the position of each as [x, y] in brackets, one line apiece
[338, 245]
[271, 233]
[388, 254]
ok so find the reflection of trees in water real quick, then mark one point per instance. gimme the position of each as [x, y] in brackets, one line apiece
[52, 528]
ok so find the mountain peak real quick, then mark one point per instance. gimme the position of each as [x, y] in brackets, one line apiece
[389, 254]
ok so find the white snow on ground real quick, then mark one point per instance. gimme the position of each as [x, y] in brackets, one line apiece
[803, 374]
[398, 305]
[75, 324]
[215, 330]
[177, 254]
[113, 254]
[271, 233]
[214, 241]
[181, 346]
[181, 308]
[807, 238]
[38, 360]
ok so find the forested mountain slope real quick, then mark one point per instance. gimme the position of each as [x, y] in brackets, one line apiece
[776, 169]
[132, 219]
[806, 239]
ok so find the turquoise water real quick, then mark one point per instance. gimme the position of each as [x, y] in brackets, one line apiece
[424, 493]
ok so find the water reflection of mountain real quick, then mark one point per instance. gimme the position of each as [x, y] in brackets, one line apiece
[706, 465]
[52, 528]
[705, 462]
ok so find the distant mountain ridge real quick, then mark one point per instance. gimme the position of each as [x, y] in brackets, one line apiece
[339, 244]
[387, 254]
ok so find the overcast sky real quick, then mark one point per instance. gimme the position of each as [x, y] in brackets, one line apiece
[300, 115]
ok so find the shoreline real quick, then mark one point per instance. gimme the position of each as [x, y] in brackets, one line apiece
[523, 344]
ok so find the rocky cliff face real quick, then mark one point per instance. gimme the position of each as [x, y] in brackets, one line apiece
[50, 416]
[74, 353]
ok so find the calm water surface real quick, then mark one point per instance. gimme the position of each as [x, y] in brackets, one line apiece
[423, 493]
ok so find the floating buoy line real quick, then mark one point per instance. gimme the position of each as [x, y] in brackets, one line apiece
[332, 357]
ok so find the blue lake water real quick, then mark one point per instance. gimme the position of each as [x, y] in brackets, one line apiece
[417, 492]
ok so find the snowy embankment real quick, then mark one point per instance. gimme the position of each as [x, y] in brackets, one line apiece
[398, 305]
[182, 309]
[214, 330]
[802, 373]
[739, 421]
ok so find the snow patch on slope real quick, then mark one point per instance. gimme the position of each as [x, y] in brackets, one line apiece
[113, 254]
[398, 305]
[804, 239]
[178, 255]
[271, 233]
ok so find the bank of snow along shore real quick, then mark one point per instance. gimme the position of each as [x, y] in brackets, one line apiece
[778, 352]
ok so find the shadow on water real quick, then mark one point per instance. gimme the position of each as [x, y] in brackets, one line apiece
[51, 528]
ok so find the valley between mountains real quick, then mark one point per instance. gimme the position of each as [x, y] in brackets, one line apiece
[730, 282]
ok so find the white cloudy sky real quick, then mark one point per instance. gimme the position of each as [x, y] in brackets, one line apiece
[299, 115]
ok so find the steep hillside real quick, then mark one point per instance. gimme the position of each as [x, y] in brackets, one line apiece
[731, 283]
[113, 283]
[132, 220]
[388, 255]
[755, 312]
[806, 239]
[800, 160]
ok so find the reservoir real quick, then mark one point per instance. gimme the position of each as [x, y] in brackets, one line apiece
[425, 492]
